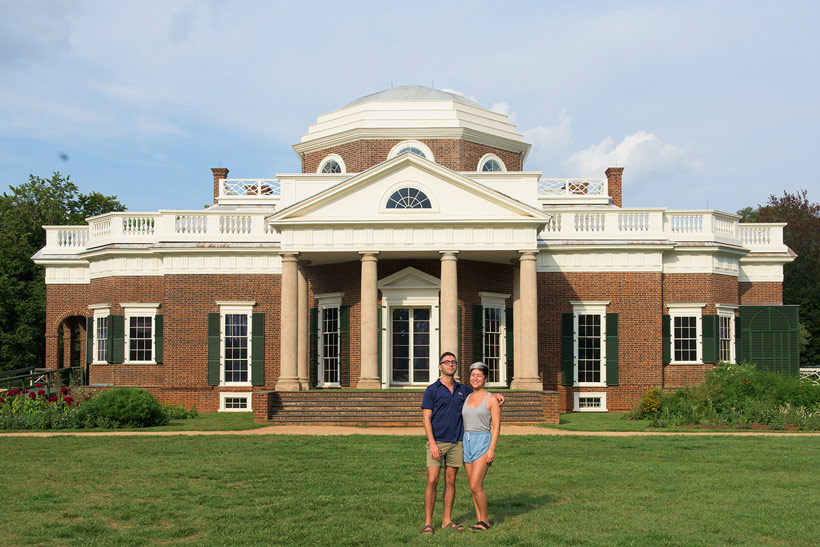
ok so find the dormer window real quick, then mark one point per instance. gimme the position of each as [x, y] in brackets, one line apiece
[332, 163]
[411, 147]
[491, 163]
[408, 198]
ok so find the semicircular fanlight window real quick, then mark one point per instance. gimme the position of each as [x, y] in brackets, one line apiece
[408, 198]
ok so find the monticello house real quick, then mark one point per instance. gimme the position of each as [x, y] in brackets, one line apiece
[413, 229]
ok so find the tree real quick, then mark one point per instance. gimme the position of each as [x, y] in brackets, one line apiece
[802, 235]
[23, 213]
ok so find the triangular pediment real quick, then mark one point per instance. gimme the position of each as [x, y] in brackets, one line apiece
[409, 278]
[454, 199]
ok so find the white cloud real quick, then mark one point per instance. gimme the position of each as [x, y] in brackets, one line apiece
[549, 142]
[641, 153]
[503, 108]
[151, 127]
[457, 92]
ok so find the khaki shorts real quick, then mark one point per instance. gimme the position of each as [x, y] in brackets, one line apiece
[451, 455]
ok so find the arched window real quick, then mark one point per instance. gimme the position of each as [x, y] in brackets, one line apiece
[411, 147]
[331, 166]
[490, 163]
[408, 198]
[332, 163]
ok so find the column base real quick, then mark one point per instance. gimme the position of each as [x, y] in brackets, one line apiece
[304, 383]
[369, 383]
[288, 384]
[527, 384]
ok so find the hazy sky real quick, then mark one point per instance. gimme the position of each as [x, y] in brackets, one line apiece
[703, 103]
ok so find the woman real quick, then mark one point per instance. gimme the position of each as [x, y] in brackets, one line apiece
[482, 424]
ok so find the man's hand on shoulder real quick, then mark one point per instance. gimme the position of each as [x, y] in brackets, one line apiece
[500, 398]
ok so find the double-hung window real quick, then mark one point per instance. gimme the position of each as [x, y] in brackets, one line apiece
[686, 332]
[140, 330]
[328, 344]
[236, 345]
[590, 343]
[726, 332]
[494, 342]
[100, 333]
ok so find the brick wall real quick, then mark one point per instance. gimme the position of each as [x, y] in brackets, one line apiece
[710, 288]
[760, 292]
[457, 155]
[637, 299]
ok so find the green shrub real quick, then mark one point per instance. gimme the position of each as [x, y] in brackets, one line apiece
[130, 407]
[178, 412]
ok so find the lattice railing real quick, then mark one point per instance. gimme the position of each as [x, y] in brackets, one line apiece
[572, 187]
[250, 187]
[811, 374]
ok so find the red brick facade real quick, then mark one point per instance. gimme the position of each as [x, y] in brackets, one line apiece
[761, 292]
[457, 155]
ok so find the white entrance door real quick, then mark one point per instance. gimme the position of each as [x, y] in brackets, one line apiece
[410, 345]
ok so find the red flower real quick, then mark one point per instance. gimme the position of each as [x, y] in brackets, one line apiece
[64, 390]
[52, 399]
[747, 382]
[32, 395]
[14, 391]
[41, 392]
[2, 400]
[38, 385]
[68, 400]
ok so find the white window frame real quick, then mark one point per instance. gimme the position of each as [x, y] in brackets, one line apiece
[408, 184]
[324, 302]
[727, 310]
[231, 395]
[100, 311]
[497, 301]
[332, 157]
[588, 308]
[134, 309]
[235, 308]
[487, 157]
[577, 401]
[415, 144]
[686, 309]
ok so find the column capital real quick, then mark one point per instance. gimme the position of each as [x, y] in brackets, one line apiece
[289, 256]
[448, 255]
[527, 255]
[369, 256]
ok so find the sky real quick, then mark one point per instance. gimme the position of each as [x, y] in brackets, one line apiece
[705, 104]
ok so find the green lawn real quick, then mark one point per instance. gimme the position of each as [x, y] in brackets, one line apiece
[367, 490]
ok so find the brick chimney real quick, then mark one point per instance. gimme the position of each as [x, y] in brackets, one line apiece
[219, 173]
[613, 180]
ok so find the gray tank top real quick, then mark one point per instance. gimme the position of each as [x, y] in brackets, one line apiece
[478, 418]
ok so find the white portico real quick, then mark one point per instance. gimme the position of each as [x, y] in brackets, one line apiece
[403, 209]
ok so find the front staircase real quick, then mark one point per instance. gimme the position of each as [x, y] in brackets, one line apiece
[385, 408]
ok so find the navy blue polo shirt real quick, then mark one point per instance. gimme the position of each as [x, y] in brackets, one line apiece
[446, 407]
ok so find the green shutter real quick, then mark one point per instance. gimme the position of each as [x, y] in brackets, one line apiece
[313, 347]
[116, 338]
[510, 346]
[379, 335]
[709, 324]
[258, 349]
[344, 346]
[567, 349]
[770, 337]
[159, 341]
[478, 333]
[738, 341]
[612, 357]
[666, 338]
[89, 340]
[213, 349]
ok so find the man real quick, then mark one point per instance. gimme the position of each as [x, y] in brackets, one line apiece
[441, 411]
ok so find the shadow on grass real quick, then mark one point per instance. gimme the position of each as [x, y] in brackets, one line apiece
[509, 507]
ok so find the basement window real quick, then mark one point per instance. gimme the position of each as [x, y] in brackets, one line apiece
[235, 402]
[590, 402]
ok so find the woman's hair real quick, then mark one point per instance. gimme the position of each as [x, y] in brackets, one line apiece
[478, 365]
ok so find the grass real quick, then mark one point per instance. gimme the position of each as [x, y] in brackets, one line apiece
[616, 421]
[368, 490]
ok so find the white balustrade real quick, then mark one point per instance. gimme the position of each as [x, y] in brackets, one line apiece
[572, 187]
[190, 224]
[250, 188]
[590, 222]
[633, 222]
[763, 236]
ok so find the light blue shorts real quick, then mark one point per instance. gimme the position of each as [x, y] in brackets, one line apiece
[475, 444]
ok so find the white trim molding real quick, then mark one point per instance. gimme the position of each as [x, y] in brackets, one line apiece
[247, 395]
[396, 150]
[332, 157]
[486, 158]
[686, 309]
[600, 395]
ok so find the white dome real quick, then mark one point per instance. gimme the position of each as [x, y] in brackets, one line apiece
[412, 93]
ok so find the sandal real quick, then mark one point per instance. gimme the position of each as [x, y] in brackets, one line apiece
[428, 530]
[454, 526]
[478, 526]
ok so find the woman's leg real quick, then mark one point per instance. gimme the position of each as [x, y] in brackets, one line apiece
[468, 467]
[476, 476]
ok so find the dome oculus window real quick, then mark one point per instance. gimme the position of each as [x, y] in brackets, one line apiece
[408, 198]
[412, 147]
[332, 164]
[491, 164]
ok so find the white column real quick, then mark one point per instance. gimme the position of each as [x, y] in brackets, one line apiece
[449, 304]
[369, 375]
[302, 328]
[516, 301]
[288, 305]
[526, 365]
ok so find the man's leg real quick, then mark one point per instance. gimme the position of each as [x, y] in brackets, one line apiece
[449, 493]
[430, 493]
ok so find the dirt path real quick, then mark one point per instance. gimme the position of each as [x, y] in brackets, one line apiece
[408, 431]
